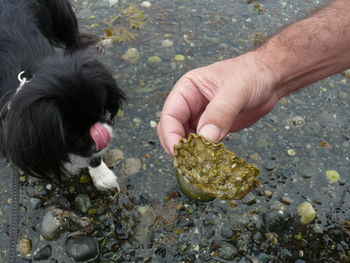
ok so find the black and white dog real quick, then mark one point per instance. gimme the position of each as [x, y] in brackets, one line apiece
[54, 105]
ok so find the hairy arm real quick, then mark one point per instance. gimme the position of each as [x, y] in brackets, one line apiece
[311, 49]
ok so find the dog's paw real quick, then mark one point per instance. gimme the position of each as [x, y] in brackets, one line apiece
[103, 177]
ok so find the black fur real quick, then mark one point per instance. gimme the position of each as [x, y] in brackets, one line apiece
[68, 92]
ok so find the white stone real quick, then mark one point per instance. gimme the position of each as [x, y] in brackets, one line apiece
[146, 4]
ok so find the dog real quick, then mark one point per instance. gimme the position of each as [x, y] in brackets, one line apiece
[57, 100]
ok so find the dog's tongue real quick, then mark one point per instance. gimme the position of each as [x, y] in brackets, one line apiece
[100, 135]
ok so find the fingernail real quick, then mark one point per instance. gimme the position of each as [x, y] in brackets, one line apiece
[210, 132]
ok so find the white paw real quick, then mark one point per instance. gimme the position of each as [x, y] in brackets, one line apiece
[103, 177]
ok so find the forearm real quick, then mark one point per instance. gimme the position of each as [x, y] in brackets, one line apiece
[312, 49]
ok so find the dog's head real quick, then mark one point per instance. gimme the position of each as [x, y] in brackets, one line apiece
[62, 110]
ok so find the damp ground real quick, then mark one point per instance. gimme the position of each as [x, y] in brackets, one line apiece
[302, 148]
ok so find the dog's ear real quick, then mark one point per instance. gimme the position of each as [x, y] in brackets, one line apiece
[114, 96]
[34, 137]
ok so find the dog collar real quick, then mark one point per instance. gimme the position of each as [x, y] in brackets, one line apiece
[22, 80]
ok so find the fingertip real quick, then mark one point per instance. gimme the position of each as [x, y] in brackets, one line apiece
[171, 142]
[168, 141]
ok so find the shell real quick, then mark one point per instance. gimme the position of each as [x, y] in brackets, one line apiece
[207, 170]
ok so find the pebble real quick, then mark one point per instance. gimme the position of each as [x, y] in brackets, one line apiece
[82, 248]
[307, 212]
[255, 156]
[226, 232]
[274, 220]
[53, 224]
[333, 176]
[179, 57]
[270, 165]
[146, 4]
[153, 124]
[286, 200]
[167, 43]
[268, 193]
[24, 247]
[113, 157]
[132, 55]
[291, 152]
[108, 42]
[43, 253]
[154, 60]
[35, 203]
[227, 251]
[131, 166]
[82, 203]
[295, 121]
[249, 199]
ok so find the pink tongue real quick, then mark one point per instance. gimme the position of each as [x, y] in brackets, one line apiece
[100, 135]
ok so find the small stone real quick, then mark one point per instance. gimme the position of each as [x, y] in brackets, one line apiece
[333, 176]
[154, 60]
[82, 248]
[255, 156]
[131, 166]
[179, 57]
[24, 247]
[82, 203]
[53, 224]
[227, 251]
[22, 178]
[286, 200]
[286, 255]
[132, 55]
[226, 232]
[113, 157]
[295, 121]
[108, 42]
[167, 43]
[249, 199]
[268, 193]
[307, 212]
[43, 253]
[291, 152]
[270, 165]
[145, 4]
[35, 203]
[153, 124]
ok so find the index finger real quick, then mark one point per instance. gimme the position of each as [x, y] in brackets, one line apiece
[183, 102]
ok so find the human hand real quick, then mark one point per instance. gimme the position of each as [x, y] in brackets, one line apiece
[217, 99]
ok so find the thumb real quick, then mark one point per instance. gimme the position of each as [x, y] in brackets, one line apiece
[217, 119]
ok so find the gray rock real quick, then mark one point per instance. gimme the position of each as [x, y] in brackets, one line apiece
[82, 248]
[53, 224]
[227, 251]
[35, 203]
[82, 203]
[43, 253]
